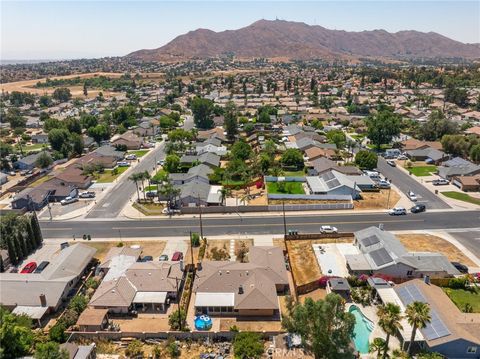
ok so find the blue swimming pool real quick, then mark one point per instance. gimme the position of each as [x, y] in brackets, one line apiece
[362, 330]
[203, 322]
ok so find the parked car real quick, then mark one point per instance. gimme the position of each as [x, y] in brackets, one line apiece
[462, 268]
[87, 194]
[412, 196]
[177, 256]
[402, 157]
[397, 211]
[328, 229]
[392, 163]
[418, 208]
[42, 266]
[161, 162]
[440, 182]
[12, 173]
[68, 200]
[23, 173]
[383, 184]
[163, 257]
[170, 211]
[131, 157]
[429, 161]
[146, 259]
[151, 194]
[29, 268]
[123, 164]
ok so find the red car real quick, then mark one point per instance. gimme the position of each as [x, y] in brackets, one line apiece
[29, 268]
[177, 256]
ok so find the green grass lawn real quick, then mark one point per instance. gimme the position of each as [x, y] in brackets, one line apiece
[461, 297]
[294, 174]
[159, 175]
[139, 153]
[290, 188]
[382, 147]
[34, 147]
[357, 137]
[107, 176]
[153, 187]
[461, 197]
[421, 171]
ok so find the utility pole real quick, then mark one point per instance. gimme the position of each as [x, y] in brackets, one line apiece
[191, 248]
[284, 220]
[200, 212]
[388, 198]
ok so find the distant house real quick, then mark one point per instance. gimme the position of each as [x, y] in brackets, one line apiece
[467, 183]
[197, 173]
[314, 153]
[414, 144]
[27, 162]
[211, 146]
[104, 156]
[146, 128]
[242, 289]
[80, 351]
[458, 167]
[40, 138]
[426, 153]
[210, 159]
[473, 131]
[198, 193]
[216, 132]
[381, 252]
[128, 139]
[73, 175]
[323, 164]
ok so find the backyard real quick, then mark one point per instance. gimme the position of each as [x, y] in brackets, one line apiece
[285, 188]
[462, 297]
[110, 175]
[462, 197]
[422, 171]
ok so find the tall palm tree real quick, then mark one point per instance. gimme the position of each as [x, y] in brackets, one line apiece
[418, 316]
[376, 346]
[389, 320]
[135, 178]
[148, 177]
[224, 193]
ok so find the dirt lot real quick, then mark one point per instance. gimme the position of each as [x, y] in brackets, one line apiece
[429, 243]
[305, 267]
[152, 323]
[218, 249]
[150, 248]
[279, 242]
[315, 295]
[377, 200]
[254, 325]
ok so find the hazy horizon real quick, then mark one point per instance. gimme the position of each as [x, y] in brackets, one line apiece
[81, 29]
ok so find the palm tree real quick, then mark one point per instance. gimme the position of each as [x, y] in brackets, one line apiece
[377, 346]
[389, 320]
[135, 177]
[418, 316]
[147, 176]
[224, 193]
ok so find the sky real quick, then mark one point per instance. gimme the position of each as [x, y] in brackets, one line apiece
[32, 30]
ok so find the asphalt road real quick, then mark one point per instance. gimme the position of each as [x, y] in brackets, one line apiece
[406, 183]
[214, 226]
[471, 240]
[114, 201]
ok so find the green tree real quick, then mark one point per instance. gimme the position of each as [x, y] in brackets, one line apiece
[382, 127]
[62, 94]
[76, 142]
[366, 159]
[172, 163]
[57, 333]
[99, 132]
[134, 349]
[51, 123]
[73, 125]
[231, 125]
[50, 350]
[475, 153]
[78, 303]
[325, 327]
[43, 160]
[167, 122]
[241, 150]
[418, 316]
[337, 137]
[248, 345]
[292, 158]
[59, 138]
[455, 145]
[202, 110]
[136, 177]
[455, 95]
[177, 320]
[15, 118]
[389, 316]
[377, 346]
[437, 126]
[173, 350]
[16, 331]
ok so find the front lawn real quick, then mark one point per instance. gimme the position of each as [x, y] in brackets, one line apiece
[421, 171]
[289, 188]
[139, 153]
[462, 297]
[110, 175]
[150, 188]
[461, 197]
[34, 147]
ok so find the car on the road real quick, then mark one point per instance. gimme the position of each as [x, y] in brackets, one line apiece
[146, 259]
[68, 200]
[392, 163]
[462, 268]
[328, 229]
[383, 184]
[87, 194]
[29, 268]
[170, 211]
[177, 256]
[418, 208]
[412, 196]
[41, 267]
[163, 257]
[440, 182]
[161, 162]
[131, 157]
[397, 211]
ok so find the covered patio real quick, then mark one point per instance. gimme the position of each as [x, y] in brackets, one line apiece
[156, 301]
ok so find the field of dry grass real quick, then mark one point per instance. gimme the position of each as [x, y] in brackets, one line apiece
[218, 250]
[317, 294]
[150, 248]
[428, 243]
[377, 200]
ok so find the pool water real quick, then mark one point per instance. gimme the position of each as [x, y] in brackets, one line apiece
[203, 322]
[362, 330]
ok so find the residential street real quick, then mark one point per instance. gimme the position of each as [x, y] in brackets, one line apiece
[111, 205]
[406, 183]
[179, 226]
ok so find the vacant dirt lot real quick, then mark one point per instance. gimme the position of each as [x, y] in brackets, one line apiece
[150, 248]
[305, 267]
[430, 243]
[377, 200]
[227, 323]
[317, 294]
[218, 250]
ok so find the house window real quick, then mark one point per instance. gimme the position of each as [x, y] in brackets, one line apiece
[471, 350]
[410, 272]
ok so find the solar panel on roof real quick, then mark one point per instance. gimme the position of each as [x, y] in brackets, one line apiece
[327, 176]
[333, 183]
[370, 241]
[436, 328]
[381, 257]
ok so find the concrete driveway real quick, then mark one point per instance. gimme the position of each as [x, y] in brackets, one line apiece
[175, 246]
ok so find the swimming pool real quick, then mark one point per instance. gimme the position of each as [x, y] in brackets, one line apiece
[203, 322]
[362, 330]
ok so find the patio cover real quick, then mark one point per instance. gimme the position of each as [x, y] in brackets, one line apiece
[32, 312]
[150, 297]
[214, 299]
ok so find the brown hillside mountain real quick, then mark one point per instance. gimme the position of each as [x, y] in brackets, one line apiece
[297, 40]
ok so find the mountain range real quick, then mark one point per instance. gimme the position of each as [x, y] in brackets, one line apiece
[296, 40]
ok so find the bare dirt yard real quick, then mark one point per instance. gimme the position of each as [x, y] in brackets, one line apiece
[305, 268]
[254, 325]
[218, 250]
[377, 200]
[429, 243]
[150, 248]
[317, 294]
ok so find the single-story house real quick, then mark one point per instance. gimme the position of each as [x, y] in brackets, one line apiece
[426, 153]
[467, 183]
[40, 138]
[242, 289]
[91, 320]
[414, 144]
[210, 159]
[380, 252]
[322, 164]
[27, 162]
[314, 153]
[197, 192]
[80, 351]
[216, 132]
[458, 167]
[73, 175]
[333, 183]
[196, 173]
[129, 139]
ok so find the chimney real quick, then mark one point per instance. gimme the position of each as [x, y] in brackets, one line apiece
[181, 266]
[240, 289]
[43, 300]
[426, 279]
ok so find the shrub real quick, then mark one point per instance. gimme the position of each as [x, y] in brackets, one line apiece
[57, 333]
[248, 345]
[92, 283]
[177, 320]
[134, 349]
[195, 239]
[78, 303]
[355, 281]
[173, 350]
[458, 283]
